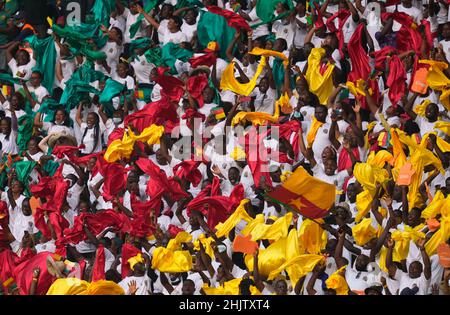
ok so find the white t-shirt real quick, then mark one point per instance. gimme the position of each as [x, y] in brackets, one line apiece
[40, 92]
[142, 284]
[446, 48]
[189, 30]
[413, 12]
[142, 69]
[89, 139]
[406, 282]
[9, 143]
[264, 102]
[130, 19]
[261, 30]
[24, 69]
[169, 37]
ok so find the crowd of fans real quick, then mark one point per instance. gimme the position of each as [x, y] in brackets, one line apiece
[225, 147]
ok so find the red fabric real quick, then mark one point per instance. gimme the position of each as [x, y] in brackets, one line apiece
[358, 56]
[408, 37]
[188, 170]
[98, 270]
[428, 35]
[344, 161]
[115, 181]
[8, 260]
[207, 59]
[319, 22]
[233, 20]
[117, 134]
[396, 80]
[381, 55]
[5, 214]
[96, 223]
[193, 113]
[60, 150]
[195, 86]
[128, 251]
[215, 207]
[342, 16]
[285, 131]
[172, 86]
[141, 225]
[174, 230]
[153, 113]
[23, 274]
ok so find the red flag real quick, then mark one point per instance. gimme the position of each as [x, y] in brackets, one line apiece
[117, 134]
[207, 59]
[23, 274]
[8, 260]
[396, 80]
[233, 20]
[189, 170]
[60, 150]
[128, 251]
[142, 225]
[153, 113]
[358, 56]
[196, 85]
[98, 270]
[115, 181]
[172, 86]
[342, 16]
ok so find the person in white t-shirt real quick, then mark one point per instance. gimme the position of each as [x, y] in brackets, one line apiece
[91, 132]
[34, 91]
[131, 16]
[418, 275]
[189, 27]
[445, 42]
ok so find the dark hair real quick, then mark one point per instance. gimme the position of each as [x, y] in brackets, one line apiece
[20, 99]
[119, 31]
[66, 120]
[244, 286]
[177, 20]
[96, 132]
[8, 120]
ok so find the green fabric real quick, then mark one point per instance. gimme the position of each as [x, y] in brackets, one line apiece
[265, 9]
[188, 3]
[6, 77]
[278, 75]
[25, 131]
[213, 27]
[23, 171]
[112, 89]
[50, 167]
[102, 11]
[171, 52]
[146, 93]
[273, 19]
[77, 36]
[154, 56]
[148, 6]
[142, 42]
[78, 87]
[45, 56]
[48, 107]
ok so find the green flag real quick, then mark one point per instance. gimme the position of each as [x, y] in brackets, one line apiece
[171, 52]
[265, 9]
[213, 27]
[25, 131]
[102, 11]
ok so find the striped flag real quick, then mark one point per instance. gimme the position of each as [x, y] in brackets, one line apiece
[305, 194]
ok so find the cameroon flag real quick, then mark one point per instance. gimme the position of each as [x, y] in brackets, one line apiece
[306, 194]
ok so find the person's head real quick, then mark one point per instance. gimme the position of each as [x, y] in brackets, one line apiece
[33, 145]
[174, 24]
[92, 120]
[191, 16]
[160, 158]
[72, 178]
[446, 31]
[330, 247]
[208, 95]
[60, 116]
[22, 57]
[17, 101]
[343, 5]
[328, 153]
[281, 287]
[122, 70]
[20, 18]
[188, 287]
[361, 262]
[407, 3]
[133, 6]
[139, 269]
[415, 269]
[321, 113]
[36, 79]
[5, 126]
[91, 163]
[374, 289]
[281, 7]
[414, 217]
[432, 112]
[234, 176]
[331, 40]
[113, 275]
[84, 206]
[166, 11]
[352, 192]
[397, 193]
[263, 85]
[26, 208]
[193, 221]
[244, 286]
[330, 167]
[115, 34]
[133, 184]
[16, 187]
[280, 45]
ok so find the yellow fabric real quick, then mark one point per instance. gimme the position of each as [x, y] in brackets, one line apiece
[301, 264]
[284, 103]
[135, 260]
[238, 154]
[68, 286]
[443, 145]
[312, 238]
[369, 176]
[273, 231]
[434, 207]
[437, 80]
[123, 148]
[402, 239]
[270, 258]
[320, 85]
[443, 126]
[269, 53]
[421, 108]
[259, 219]
[103, 287]
[213, 46]
[166, 260]
[337, 282]
[363, 232]
[229, 82]
[257, 118]
[399, 155]
[228, 288]
[441, 235]
[311, 136]
[358, 89]
[382, 261]
[370, 127]
[380, 158]
[285, 175]
[206, 242]
[239, 214]
[175, 243]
